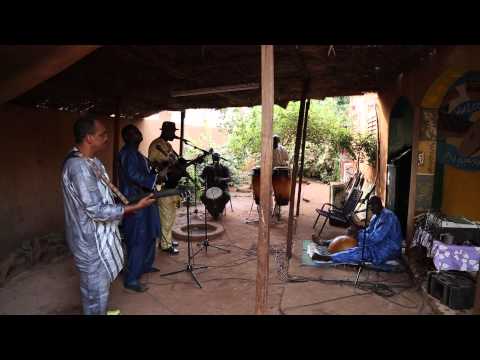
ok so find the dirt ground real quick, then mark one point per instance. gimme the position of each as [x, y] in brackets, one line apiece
[228, 284]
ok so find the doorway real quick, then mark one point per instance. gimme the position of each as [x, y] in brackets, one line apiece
[399, 160]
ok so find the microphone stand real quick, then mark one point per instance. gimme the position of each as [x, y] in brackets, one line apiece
[200, 149]
[361, 265]
[190, 267]
[195, 189]
[205, 152]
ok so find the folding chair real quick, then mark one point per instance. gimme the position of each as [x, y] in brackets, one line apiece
[341, 217]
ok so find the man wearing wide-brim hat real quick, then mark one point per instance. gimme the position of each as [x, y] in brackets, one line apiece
[160, 151]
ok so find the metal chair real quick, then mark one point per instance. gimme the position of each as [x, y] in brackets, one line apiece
[340, 216]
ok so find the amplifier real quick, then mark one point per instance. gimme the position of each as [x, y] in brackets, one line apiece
[464, 231]
[454, 289]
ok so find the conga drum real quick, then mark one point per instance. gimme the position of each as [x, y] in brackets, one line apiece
[256, 184]
[281, 181]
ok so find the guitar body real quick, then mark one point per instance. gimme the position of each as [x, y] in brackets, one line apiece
[175, 173]
[175, 170]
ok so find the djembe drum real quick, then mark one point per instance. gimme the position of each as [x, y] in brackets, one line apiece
[281, 181]
[256, 184]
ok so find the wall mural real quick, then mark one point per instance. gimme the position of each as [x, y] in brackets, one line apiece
[426, 159]
[459, 124]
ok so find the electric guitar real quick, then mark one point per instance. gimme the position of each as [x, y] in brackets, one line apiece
[174, 170]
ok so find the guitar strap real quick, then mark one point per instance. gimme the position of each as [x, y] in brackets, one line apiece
[98, 173]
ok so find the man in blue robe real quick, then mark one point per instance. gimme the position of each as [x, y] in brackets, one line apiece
[143, 227]
[382, 239]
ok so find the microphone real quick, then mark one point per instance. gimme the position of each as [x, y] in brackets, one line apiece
[179, 138]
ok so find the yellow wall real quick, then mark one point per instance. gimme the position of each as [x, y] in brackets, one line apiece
[461, 190]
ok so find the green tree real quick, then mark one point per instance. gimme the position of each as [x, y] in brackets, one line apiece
[329, 132]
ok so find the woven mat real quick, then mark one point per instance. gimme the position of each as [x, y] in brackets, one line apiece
[390, 266]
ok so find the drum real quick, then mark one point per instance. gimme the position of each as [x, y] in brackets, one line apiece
[256, 184]
[281, 181]
[341, 243]
[213, 193]
[214, 200]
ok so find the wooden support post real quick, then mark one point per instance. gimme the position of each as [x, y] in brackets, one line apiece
[263, 243]
[301, 115]
[417, 118]
[116, 140]
[182, 130]
[476, 305]
[302, 158]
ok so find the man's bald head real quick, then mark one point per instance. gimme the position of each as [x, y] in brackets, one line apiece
[375, 203]
[276, 141]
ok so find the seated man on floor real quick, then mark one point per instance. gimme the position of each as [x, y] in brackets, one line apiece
[383, 239]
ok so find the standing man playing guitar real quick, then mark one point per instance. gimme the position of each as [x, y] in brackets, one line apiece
[142, 228]
[91, 215]
[162, 156]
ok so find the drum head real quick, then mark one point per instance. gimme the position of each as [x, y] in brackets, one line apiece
[213, 193]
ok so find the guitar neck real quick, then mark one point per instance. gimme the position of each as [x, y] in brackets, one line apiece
[156, 195]
[165, 193]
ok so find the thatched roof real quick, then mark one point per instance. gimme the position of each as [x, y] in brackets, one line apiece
[142, 79]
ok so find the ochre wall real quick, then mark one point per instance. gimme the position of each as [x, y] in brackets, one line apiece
[201, 136]
[32, 147]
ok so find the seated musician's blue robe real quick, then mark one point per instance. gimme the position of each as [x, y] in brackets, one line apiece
[383, 241]
[141, 228]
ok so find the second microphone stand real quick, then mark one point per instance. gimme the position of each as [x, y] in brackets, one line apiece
[190, 267]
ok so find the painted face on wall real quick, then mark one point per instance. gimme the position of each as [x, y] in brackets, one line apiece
[459, 122]
[470, 145]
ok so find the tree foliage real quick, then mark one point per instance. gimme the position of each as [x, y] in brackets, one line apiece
[329, 132]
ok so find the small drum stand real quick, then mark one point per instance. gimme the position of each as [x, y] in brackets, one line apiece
[277, 212]
[205, 241]
[249, 220]
[190, 266]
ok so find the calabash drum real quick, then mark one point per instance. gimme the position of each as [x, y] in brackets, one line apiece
[341, 243]
[281, 181]
[256, 184]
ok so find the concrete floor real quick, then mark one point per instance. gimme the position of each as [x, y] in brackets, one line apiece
[229, 281]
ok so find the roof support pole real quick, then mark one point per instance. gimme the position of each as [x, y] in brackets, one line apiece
[302, 158]
[476, 305]
[263, 244]
[413, 179]
[301, 116]
[182, 130]
[116, 140]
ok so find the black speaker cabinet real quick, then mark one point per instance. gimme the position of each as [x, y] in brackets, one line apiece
[454, 289]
